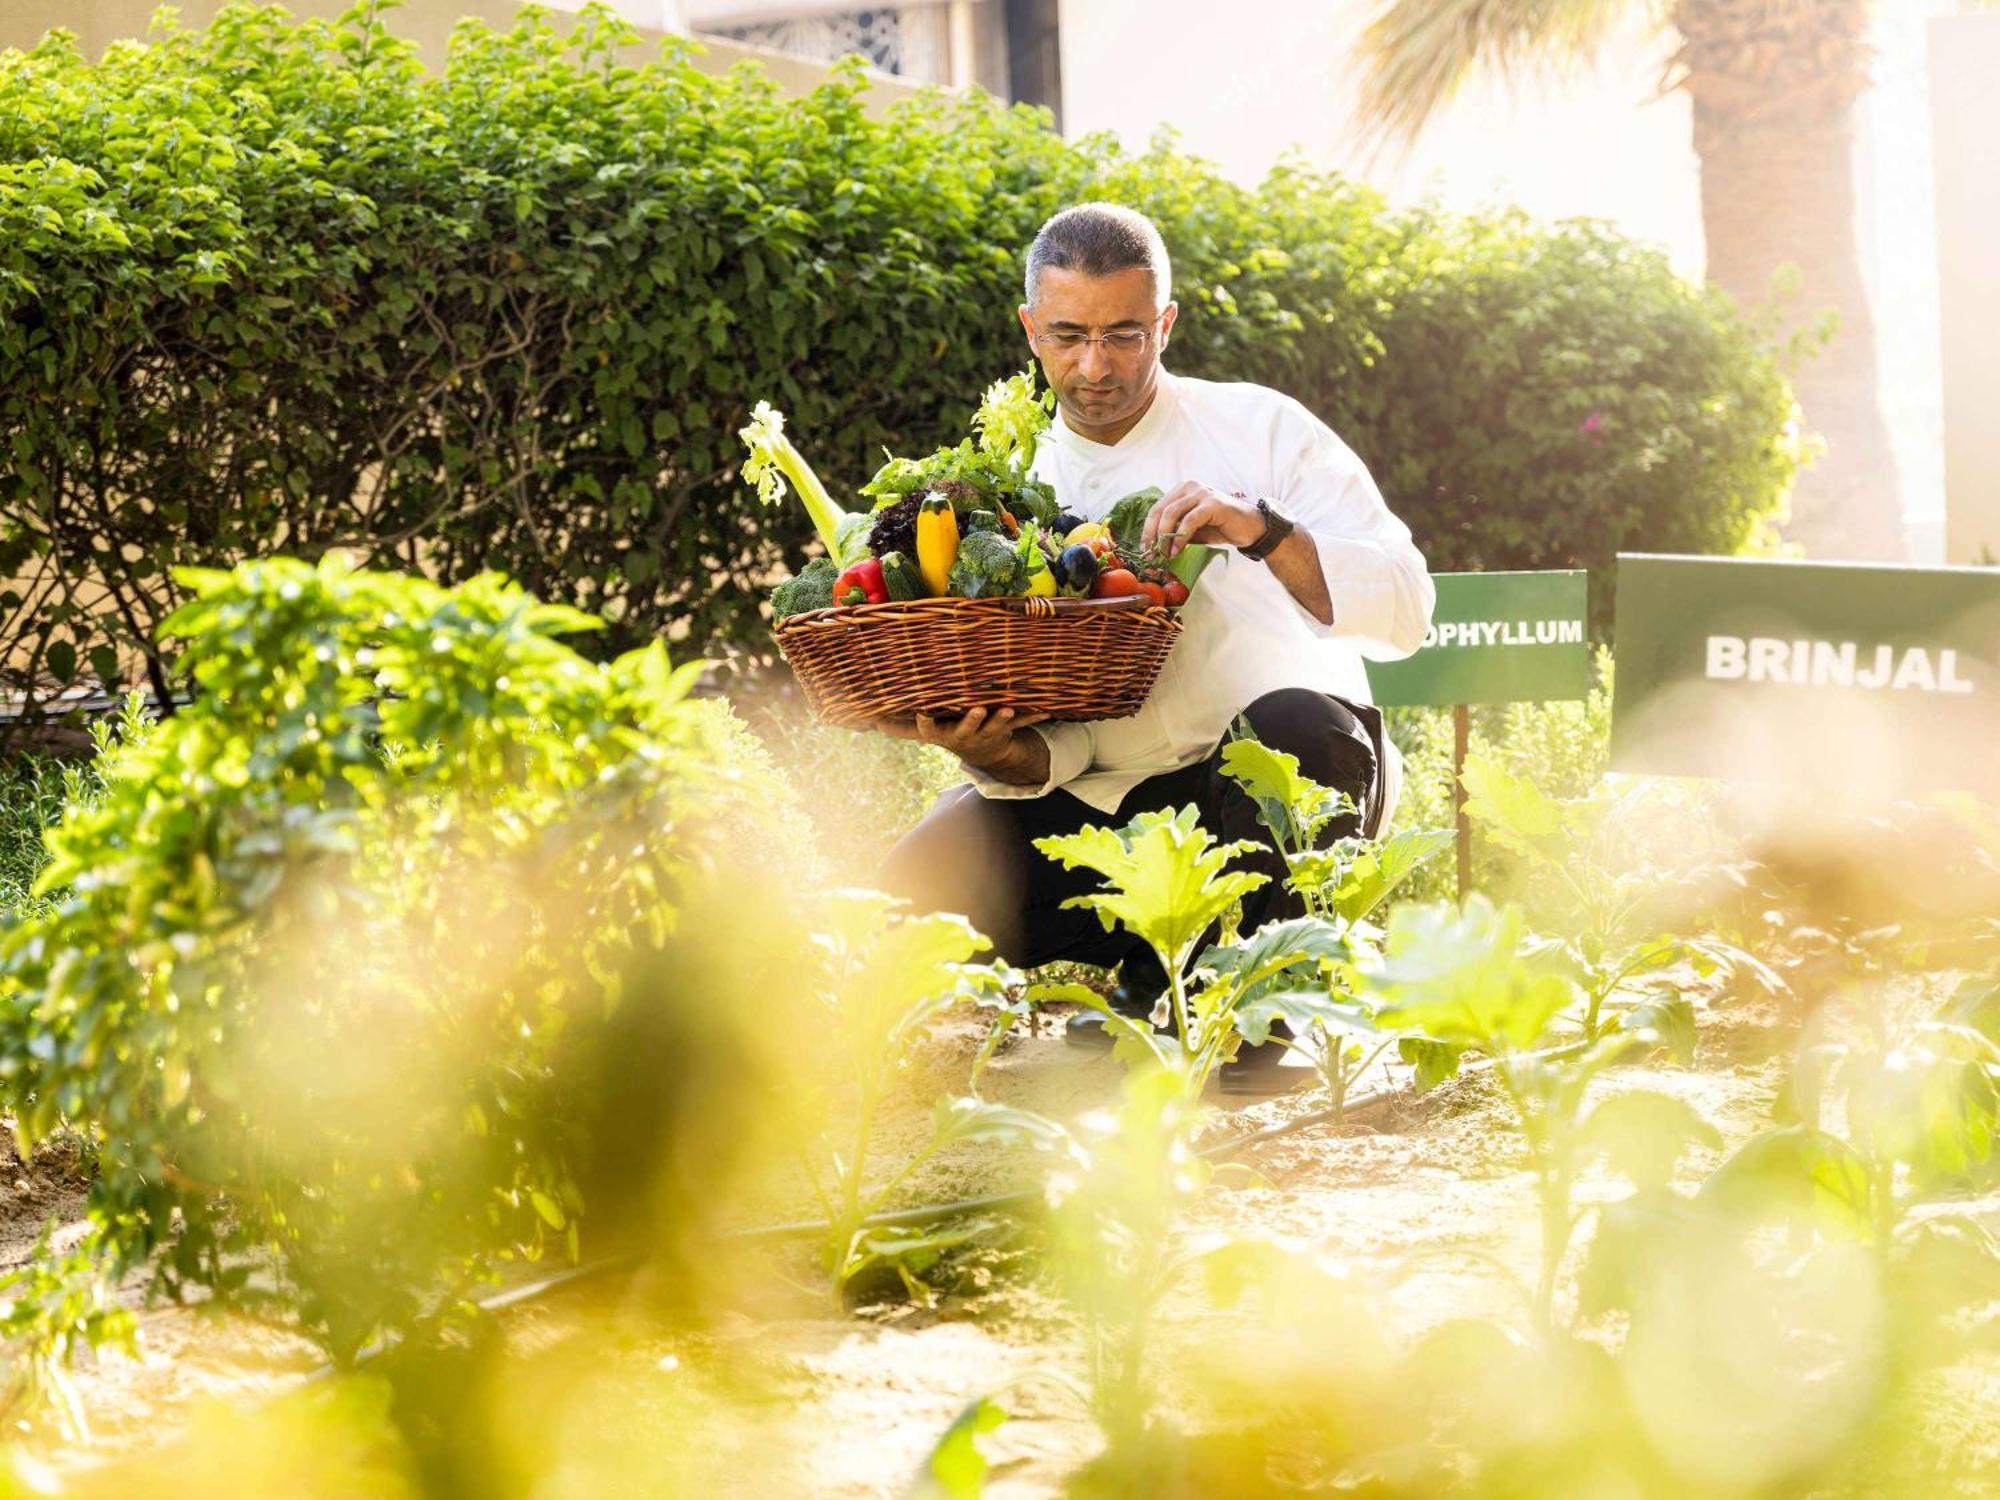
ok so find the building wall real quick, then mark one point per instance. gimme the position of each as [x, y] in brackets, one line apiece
[1964, 63]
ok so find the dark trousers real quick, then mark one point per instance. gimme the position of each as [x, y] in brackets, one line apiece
[976, 856]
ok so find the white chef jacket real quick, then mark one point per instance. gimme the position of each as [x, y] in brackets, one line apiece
[1243, 635]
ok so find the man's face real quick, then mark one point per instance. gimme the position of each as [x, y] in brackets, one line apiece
[1101, 387]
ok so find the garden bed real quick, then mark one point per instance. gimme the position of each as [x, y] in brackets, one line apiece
[1421, 1195]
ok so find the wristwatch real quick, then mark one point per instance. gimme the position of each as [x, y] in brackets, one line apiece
[1277, 526]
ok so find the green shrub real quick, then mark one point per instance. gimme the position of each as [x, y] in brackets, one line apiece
[1548, 399]
[31, 794]
[272, 286]
[352, 952]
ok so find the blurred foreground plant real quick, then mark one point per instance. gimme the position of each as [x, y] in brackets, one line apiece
[331, 944]
[1605, 907]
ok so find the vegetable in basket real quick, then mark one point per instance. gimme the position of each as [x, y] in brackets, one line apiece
[989, 566]
[937, 542]
[988, 474]
[811, 588]
[1126, 524]
[773, 460]
[862, 584]
[902, 579]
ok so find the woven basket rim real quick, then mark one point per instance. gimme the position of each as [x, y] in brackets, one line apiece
[1010, 603]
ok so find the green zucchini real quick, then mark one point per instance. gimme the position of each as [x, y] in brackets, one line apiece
[901, 578]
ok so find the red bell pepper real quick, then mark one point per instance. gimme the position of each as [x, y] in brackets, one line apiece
[862, 584]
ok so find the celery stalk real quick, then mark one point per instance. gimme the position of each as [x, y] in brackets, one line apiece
[773, 460]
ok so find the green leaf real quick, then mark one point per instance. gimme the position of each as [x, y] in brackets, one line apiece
[60, 658]
[955, 1468]
[1434, 1061]
[1376, 872]
[1513, 812]
[1644, 1133]
[959, 1121]
[1165, 878]
[1459, 976]
[1126, 519]
[1274, 782]
[1302, 1010]
[1668, 1020]
[1795, 1173]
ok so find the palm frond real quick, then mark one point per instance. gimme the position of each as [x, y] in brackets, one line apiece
[1416, 54]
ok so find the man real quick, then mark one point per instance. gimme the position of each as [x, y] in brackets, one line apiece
[1314, 574]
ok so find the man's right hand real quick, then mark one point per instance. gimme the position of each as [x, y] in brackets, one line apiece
[996, 742]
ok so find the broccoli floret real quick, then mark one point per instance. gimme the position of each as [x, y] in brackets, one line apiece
[811, 588]
[988, 566]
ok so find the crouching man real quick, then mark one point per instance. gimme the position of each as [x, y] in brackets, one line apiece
[1316, 573]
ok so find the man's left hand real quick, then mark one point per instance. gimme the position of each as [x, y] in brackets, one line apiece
[1195, 513]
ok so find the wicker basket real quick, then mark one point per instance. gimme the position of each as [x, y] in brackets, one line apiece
[1066, 658]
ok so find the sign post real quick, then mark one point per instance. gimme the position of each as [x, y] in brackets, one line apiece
[1494, 638]
[1858, 676]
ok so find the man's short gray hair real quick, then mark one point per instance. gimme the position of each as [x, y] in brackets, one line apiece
[1100, 239]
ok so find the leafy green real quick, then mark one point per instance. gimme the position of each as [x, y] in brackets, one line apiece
[955, 1468]
[1011, 418]
[1126, 520]
[340, 939]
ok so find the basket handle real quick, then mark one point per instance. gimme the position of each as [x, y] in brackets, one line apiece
[1037, 609]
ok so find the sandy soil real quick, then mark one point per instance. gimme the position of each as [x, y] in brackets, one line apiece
[1425, 1193]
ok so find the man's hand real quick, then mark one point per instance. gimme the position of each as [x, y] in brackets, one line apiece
[996, 742]
[1195, 513]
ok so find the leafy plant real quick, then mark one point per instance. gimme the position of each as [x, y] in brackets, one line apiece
[1343, 881]
[884, 978]
[1602, 909]
[1167, 882]
[1466, 981]
[330, 949]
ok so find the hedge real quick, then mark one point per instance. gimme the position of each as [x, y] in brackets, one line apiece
[272, 285]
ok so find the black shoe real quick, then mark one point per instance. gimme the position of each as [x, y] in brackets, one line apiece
[1087, 1029]
[1257, 1071]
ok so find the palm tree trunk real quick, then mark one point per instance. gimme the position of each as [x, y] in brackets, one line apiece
[1773, 84]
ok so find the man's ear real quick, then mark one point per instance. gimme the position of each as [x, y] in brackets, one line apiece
[1173, 310]
[1027, 327]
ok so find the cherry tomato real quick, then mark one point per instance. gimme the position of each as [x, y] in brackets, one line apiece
[1176, 593]
[1153, 592]
[1114, 583]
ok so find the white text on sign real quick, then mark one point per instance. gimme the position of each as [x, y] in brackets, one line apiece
[1505, 633]
[1805, 663]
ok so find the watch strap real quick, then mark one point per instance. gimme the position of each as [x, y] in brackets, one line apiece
[1276, 528]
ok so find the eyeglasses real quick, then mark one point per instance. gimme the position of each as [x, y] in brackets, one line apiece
[1122, 341]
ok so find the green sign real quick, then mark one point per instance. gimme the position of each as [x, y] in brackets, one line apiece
[1496, 638]
[1867, 677]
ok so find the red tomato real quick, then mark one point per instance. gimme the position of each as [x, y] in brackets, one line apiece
[1176, 593]
[1153, 592]
[1114, 583]
[1103, 546]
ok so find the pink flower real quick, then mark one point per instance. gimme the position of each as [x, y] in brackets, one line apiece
[1592, 427]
